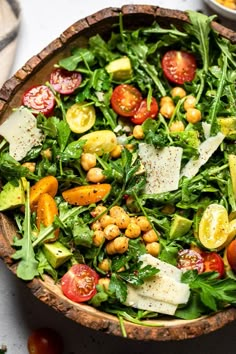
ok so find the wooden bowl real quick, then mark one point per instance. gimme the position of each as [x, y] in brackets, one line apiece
[35, 71]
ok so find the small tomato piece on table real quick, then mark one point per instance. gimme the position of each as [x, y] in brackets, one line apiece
[65, 81]
[125, 100]
[48, 184]
[46, 212]
[40, 99]
[45, 341]
[145, 111]
[213, 263]
[189, 259]
[85, 195]
[231, 254]
[79, 283]
[80, 117]
[179, 66]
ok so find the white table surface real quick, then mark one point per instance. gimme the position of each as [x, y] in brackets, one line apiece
[20, 312]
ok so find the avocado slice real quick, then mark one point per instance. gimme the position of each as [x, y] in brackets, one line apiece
[12, 196]
[179, 226]
[56, 253]
[120, 69]
[232, 169]
[227, 126]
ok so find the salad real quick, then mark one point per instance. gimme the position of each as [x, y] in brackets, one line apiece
[120, 173]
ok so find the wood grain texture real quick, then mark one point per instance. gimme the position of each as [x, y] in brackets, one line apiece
[36, 71]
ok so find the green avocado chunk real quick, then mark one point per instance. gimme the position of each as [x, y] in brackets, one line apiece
[179, 226]
[56, 253]
[12, 195]
[120, 69]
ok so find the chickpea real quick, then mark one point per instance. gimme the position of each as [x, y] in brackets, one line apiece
[98, 238]
[178, 92]
[111, 231]
[119, 245]
[129, 147]
[189, 102]
[95, 175]
[167, 110]
[30, 165]
[138, 132]
[96, 225]
[98, 210]
[116, 210]
[150, 236]
[121, 218]
[88, 161]
[193, 115]
[116, 152]
[133, 230]
[153, 248]
[166, 100]
[47, 154]
[132, 204]
[105, 265]
[104, 282]
[177, 126]
[106, 220]
[143, 223]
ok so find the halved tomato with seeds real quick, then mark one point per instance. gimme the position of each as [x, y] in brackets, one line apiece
[64, 81]
[40, 99]
[79, 283]
[125, 100]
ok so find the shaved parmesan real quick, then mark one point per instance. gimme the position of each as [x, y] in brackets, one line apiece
[20, 130]
[206, 150]
[162, 167]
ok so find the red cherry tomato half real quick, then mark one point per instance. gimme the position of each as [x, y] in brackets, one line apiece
[190, 260]
[39, 99]
[45, 341]
[231, 254]
[213, 263]
[125, 100]
[79, 283]
[64, 81]
[179, 66]
[144, 112]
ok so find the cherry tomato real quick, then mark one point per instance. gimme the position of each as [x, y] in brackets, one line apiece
[125, 100]
[189, 259]
[64, 81]
[39, 99]
[80, 117]
[179, 66]
[231, 254]
[144, 112]
[213, 263]
[45, 341]
[79, 283]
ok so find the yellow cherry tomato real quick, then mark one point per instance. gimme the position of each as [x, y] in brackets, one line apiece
[80, 117]
[99, 142]
[214, 226]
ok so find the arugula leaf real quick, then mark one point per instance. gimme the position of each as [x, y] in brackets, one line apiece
[27, 267]
[118, 287]
[78, 55]
[137, 274]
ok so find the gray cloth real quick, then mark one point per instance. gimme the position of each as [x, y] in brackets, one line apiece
[9, 26]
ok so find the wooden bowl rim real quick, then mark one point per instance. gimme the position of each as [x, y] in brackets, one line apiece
[46, 291]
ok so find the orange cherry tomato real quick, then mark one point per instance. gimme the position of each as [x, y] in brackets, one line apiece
[40, 99]
[46, 211]
[231, 254]
[85, 195]
[125, 100]
[179, 66]
[144, 112]
[79, 283]
[213, 263]
[45, 341]
[48, 184]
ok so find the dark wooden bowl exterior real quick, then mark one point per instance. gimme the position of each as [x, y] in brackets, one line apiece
[36, 71]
